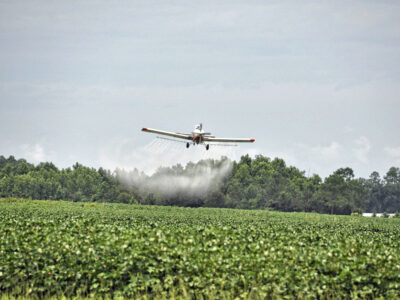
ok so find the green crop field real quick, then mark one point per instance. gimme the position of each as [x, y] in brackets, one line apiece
[64, 249]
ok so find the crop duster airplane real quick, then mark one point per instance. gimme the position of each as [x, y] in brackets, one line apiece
[198, 136]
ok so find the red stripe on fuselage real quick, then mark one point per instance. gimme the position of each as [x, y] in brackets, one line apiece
[198, 138]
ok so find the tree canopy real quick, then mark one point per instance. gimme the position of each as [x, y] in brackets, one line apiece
[250, 183]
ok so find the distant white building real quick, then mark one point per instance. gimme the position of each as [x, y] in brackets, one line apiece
[377, 214]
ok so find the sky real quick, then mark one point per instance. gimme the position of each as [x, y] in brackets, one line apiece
[316, 83]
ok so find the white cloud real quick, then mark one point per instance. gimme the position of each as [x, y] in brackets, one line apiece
[33, 153]
[363, 147]
[326, 153]
[393, 152]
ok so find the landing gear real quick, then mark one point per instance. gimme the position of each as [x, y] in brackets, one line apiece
[207, 146]
[187, 145]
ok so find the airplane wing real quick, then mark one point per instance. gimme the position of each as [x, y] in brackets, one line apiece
[173, 134]
[228, 140]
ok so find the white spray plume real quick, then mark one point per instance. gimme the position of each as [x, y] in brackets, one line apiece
[196, 179]
[163, 160]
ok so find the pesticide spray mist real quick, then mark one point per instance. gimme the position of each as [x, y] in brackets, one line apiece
[168, 168]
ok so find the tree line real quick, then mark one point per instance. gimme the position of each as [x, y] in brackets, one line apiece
[250, 183]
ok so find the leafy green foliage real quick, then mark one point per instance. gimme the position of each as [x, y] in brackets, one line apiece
[44, 181]
[53, 248]
[250, 183]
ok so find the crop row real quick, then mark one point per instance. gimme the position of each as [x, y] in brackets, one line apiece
[59, 248]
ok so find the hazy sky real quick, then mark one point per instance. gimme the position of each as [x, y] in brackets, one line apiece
[314, 82]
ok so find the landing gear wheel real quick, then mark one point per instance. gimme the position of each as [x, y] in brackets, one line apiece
[187, 145]
[207, 147]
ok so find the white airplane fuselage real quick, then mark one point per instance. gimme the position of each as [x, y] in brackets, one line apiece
[198, 134]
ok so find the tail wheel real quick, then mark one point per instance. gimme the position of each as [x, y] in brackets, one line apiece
[207, 146]
[187, 145]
